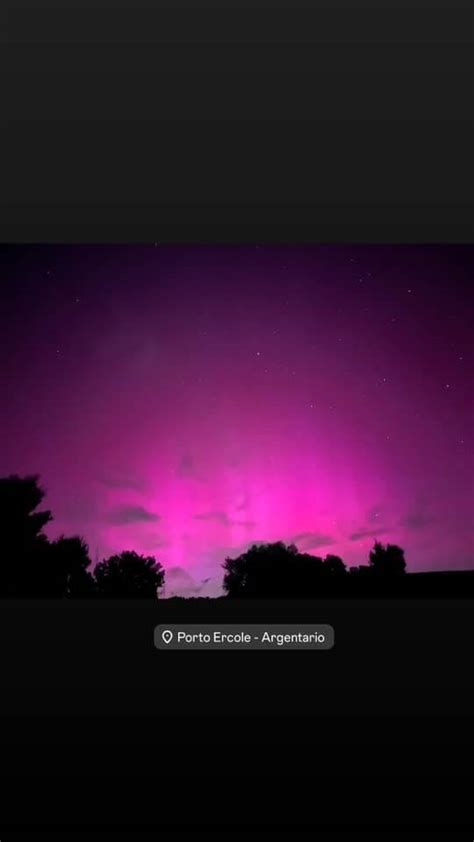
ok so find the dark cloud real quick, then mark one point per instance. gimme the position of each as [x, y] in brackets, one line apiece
[187, 468]
[219, 517]
[243, 503]
[416, 520]
[179, 582]
[121, 481]
[236, 551]
[311, 540]
[224, 519]
[367, 533]
[211, 586]
[123, 515]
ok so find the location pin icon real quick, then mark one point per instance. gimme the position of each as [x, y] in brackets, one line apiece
[167, 636]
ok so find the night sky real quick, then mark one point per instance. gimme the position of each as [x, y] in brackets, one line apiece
[187, 401]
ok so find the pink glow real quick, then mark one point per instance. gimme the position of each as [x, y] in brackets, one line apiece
[202, 399]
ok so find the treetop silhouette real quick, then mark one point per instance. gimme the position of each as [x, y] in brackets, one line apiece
[32, 565]
[129, 575]
[277, 570]
[387, 561]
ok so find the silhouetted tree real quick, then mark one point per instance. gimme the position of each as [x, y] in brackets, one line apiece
[21, 526]
[23, 543]
[278, 570]
[69, 559]
[30, 565]
[334, 566]
[261, 571]
[387, 561]
[129, 575]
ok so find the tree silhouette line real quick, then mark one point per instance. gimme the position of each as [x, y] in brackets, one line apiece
[32, 565]
[277, 570]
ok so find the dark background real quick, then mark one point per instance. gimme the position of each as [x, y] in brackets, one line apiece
[321, 121]
[325, 122]
[374, 734]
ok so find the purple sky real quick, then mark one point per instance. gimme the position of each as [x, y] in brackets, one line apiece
[186, 401]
